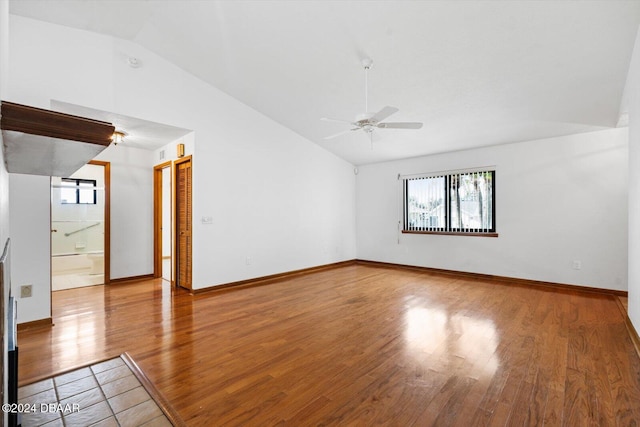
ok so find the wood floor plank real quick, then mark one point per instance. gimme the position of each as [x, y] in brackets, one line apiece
[357, 345]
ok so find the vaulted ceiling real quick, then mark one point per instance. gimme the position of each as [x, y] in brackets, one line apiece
[476, 73]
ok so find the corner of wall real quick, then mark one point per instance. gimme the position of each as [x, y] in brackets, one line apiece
[633, 93]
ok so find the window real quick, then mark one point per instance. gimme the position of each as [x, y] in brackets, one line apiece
[462, 203]
[78, 191]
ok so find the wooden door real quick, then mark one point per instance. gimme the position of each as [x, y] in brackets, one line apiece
[183, 222]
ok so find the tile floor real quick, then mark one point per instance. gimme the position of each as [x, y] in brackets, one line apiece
[106, 394]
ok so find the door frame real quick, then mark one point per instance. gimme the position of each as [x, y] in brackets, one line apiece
[176, 224]
[157, 217]
[107, 218]
[107, 226]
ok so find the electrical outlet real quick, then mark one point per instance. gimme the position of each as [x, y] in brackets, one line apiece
[26, 291]
[207, 220]
[248, 260]
[577, 265]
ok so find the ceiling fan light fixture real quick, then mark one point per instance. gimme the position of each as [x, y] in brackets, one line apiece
[118, 137]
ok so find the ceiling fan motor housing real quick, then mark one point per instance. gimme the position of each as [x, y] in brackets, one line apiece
[363, 118]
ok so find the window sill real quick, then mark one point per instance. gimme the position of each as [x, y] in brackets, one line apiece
[450, 233]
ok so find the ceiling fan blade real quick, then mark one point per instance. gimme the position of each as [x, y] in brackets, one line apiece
[400, 125]
[340, 133]
[326, 119]
[383, 114]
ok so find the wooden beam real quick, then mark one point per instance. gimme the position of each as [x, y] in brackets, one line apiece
[38, 121]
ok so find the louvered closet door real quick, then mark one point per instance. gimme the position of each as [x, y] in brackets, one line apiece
[183, 223]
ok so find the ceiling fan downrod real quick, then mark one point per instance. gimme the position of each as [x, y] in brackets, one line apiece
[366, 63]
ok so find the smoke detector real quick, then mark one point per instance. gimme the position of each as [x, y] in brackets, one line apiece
[133, 62]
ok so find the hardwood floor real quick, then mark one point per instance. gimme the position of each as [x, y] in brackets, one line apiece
[357, 345]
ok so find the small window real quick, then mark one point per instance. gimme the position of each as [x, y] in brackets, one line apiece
[78, 191]
[455, 203]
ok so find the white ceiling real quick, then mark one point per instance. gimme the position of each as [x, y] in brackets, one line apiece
[477, 73]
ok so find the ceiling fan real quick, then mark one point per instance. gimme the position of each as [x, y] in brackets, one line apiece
[367, 121]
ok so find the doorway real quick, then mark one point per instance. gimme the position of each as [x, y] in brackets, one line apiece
[183, 210]
[162, 221]
[80, 227]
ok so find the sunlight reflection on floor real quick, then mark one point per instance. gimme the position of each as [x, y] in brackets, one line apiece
[433, 332]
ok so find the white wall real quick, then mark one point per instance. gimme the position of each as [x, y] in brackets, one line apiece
[557, 200]
[279, 200]
[633, 92]
[273, 196]
[31, 254]
[131, 210]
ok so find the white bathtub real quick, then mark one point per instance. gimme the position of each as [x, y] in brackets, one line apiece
[88, 263]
